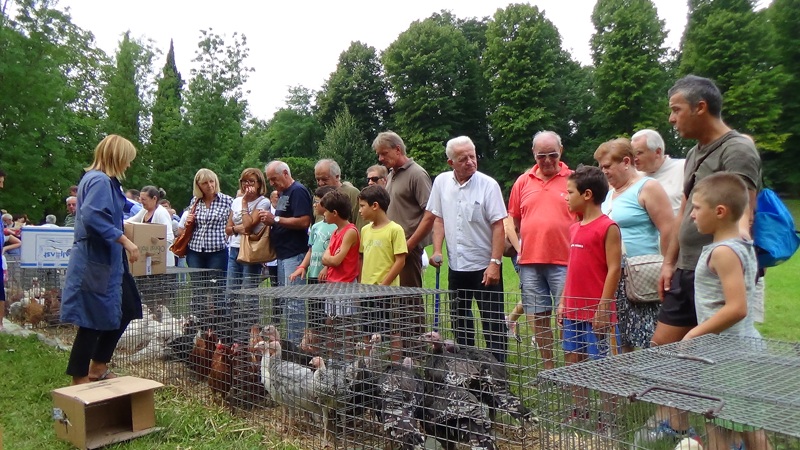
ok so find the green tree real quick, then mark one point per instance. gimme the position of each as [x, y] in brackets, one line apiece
[125, 107]
[293, 130]
[784, 15]
[166, 148]
[629, 77]
[524, 65]
[216, 110]
[345, 144]
[724, 41]
[359, 87]
[49, 115]
[435, 80]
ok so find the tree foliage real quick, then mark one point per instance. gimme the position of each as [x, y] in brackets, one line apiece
[345, 144]
[524, 65]
[435, 80]
[629, 77]
[359, 87]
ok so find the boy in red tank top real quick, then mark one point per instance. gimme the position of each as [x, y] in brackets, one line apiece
[586, 309]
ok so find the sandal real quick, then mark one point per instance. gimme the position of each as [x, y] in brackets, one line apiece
[107, 375]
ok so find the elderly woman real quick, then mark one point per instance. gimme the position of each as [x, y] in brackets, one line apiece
[153, 212]
[207, 248]
[93, 297]
[641, 208]
[243, 219]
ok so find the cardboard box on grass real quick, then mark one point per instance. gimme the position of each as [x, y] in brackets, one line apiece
[96, 414]
[151, 238]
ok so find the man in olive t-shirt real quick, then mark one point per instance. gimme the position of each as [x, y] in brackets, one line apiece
[696, 113]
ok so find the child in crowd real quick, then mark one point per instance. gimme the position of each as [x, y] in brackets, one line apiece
[341, 256]
[724, 281]
[383, 252]
[586, 309]
[318, 238]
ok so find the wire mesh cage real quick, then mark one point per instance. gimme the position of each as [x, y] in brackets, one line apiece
[713, 392]
[33, 295]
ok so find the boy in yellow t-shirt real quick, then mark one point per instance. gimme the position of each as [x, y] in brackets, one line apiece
[383, 243]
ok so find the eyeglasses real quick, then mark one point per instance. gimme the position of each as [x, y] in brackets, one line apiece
[543, 156]
[248, 181]
[374, 179]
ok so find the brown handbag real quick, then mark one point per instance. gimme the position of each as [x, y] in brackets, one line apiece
[181, 245]
[256, 248]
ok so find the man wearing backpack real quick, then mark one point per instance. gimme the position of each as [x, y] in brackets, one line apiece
[696, 113]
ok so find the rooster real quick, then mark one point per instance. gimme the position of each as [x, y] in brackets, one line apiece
[219, 375]
[200, 357]
[289, 350]
[32, 310]
[247, 390]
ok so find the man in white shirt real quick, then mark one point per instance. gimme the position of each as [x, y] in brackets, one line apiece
[650, 158]
[466, 209]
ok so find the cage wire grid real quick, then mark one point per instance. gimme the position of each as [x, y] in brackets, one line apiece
[739, 381]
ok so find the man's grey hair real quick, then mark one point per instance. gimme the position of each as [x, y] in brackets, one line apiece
[8, 216]
[457, 142]
[333, 167]
[695, 89]
[71, 197]
[546, 133]
[389, 139]
[653, 139]
[278, 166]
[51, 219]
[382, 171]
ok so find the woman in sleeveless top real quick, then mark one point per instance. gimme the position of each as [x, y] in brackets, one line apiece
[641, 208]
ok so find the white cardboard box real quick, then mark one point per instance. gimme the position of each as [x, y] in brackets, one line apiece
[96, 414]
[46, 246]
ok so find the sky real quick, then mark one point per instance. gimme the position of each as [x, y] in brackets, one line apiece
[298, 42]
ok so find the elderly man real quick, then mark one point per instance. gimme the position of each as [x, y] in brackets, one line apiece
[328, 173]
[72, 206]
[542, 220]
[469, 211]
[650, 157]
[289, 237]
[377, 175]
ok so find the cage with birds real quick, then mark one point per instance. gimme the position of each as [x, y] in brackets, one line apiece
[711, 392]
[33, 295]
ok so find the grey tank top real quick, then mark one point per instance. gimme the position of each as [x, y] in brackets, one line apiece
[708, 289]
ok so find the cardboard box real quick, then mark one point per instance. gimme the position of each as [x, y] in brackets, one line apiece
[96, 414]
[46, 246]
[151, 238]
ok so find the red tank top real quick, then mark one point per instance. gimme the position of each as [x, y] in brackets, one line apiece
[349, 269]
[587, 268]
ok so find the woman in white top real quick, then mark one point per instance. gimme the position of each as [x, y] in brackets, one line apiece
[243, 219]
[152, 212]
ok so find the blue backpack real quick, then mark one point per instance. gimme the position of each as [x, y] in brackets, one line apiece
[774, 234]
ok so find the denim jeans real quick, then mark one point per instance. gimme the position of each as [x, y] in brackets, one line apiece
[294, 308]
[210, 305]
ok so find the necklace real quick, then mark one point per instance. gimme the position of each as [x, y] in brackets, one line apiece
[625, 186]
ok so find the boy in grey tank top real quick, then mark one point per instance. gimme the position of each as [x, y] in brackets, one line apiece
[725, 280]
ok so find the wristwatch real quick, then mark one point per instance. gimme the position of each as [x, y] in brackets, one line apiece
[496, 261]
[277, 219]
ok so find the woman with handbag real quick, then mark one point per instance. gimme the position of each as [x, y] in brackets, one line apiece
[208, 215]
[152, 212]
[99, 295]
[640, 207]
[243, 222]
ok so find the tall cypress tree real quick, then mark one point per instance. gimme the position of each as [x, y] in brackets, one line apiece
[166, 147]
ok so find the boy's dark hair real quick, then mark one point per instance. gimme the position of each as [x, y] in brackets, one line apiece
[375, 194]
[2, 173]
[591, 178]
[339, 202]
[322, 190]
[726, 189]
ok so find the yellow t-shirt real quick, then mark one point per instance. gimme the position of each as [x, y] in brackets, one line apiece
[379, 247]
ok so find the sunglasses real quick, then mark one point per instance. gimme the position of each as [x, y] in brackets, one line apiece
[374, 179]
[543, 156]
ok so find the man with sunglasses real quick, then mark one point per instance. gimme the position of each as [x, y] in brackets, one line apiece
[542, 220]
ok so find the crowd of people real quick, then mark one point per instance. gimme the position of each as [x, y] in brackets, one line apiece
[575, 229]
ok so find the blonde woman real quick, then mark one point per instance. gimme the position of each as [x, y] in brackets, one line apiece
[92, 297]
[208, 246]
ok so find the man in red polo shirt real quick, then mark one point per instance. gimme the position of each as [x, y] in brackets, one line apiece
[542, 219]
